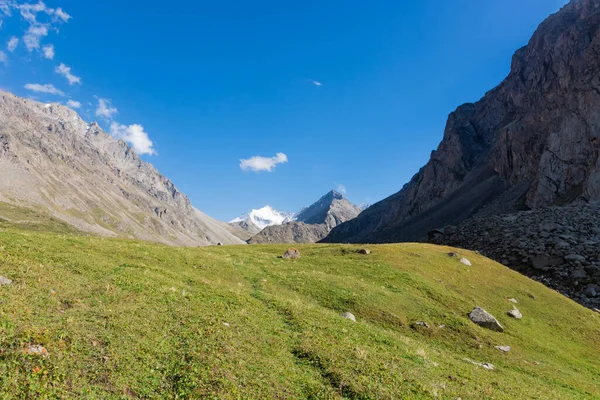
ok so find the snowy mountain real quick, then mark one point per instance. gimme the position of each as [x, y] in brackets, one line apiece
[312, 223]
[263, 217]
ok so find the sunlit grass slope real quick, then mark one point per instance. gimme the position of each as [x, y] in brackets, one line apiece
[126, 319]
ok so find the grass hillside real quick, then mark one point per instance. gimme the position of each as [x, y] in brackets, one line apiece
[126, 319]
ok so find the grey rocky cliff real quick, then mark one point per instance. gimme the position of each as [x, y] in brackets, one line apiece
[50, 158]
[312, 223]
[533, 141]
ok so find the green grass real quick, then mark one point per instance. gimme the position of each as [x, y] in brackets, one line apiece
[126, 319]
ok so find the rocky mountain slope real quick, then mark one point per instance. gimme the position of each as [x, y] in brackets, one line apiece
[53, 160]
[557, 246]
[533, 141]
[311, 224]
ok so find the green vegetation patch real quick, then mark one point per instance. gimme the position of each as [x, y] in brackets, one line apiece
[128, 319]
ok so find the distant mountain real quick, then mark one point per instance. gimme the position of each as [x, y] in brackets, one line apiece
[311, 224]
[531, 142]
[263, 217]
[52, 160]
[249, 224]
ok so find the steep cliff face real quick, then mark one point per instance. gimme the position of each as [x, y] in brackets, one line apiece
[530, 142]
[50, 158]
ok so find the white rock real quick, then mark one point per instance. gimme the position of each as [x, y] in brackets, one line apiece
[4, 281]
[515, 313]
[465, 261]
[349, 316]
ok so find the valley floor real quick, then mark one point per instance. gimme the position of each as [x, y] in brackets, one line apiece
[128, 319]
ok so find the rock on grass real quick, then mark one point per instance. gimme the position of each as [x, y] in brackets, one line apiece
[485, 319]
[292, 254]
[4, 281]
[515, 313]
[349, 316]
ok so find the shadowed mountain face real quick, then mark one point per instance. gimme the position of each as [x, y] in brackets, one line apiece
[312, 223]
[532, 141]
[53, 160]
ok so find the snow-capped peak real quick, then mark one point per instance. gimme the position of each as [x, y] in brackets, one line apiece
[266, 216]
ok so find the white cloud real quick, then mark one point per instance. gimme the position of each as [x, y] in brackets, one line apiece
[48, 51]
[3, 58]
[33, 36]
[37, 30]
[341, 189]
[258, 164]
[60, 14]
[105, 109]
[73, 104]
[317, 83]
[49, 89]
[29, 11]
[135, 136]
[66, 72]
[5, 7]
[12, 44]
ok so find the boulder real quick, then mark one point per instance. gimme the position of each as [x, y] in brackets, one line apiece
[349, 316]
[292, 254]
[364, 251]
[4, 281]
[513, 301]
[592, 290]
[465, 261]
[421, 324]
[504, 349]
[545, 261]
[485, 319]
[515, 313]
[575, 257]
[579, 274]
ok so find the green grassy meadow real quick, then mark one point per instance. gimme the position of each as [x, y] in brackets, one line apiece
[125, 319]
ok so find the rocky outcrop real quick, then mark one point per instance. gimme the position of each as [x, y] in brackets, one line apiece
[558, 246]
[533, 141]
[51, 159]
[312, 223]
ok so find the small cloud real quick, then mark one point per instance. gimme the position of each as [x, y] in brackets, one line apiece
[65, 71]
[73, 104]
[341, 189]
[49, 89]
[49, 52]
[29, 11]
[12, 44]
[135, 136]
[33, 36]
[105, 109]
[257, 164]
[61, 15]
[317, 83]
[3, 58]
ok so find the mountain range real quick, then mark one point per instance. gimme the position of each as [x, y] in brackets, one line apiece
[312, 223]
[531, 142]
[52, 160]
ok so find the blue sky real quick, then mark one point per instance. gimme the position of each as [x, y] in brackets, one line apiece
[335, 93]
